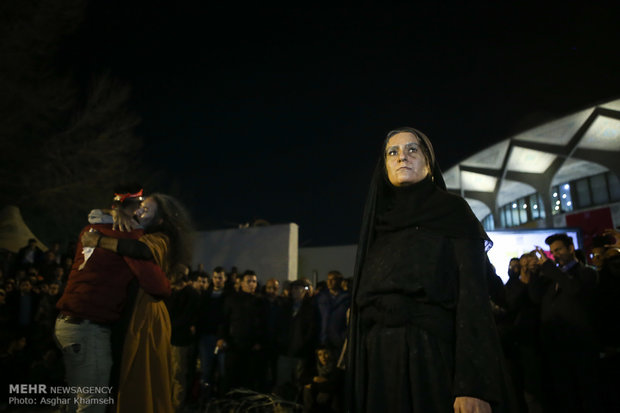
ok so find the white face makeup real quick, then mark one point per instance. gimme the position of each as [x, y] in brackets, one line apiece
[147, 212]
[405, 161]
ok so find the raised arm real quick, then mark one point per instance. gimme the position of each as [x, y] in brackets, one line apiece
[123, 246]
[138, 256]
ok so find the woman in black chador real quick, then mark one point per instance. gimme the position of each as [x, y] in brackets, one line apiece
[422, 333]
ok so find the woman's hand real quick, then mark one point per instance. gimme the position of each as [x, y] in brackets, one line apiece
[471, 405]
[90, 239]
[123, 222]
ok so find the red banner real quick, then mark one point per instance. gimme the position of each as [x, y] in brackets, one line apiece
[591, 222]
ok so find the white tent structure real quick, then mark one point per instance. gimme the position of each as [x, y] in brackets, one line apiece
[14, 233]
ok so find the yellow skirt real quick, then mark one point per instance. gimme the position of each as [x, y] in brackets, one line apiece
[145, 383]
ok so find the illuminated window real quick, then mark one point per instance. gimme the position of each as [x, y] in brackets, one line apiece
[508, 214]
[598, 184]
[488, 223]
[515, 217]
[583, 192]
[563, 199]
[523, 211]
[541, 209]
[566, 198]
[533, 201]
[555, 202]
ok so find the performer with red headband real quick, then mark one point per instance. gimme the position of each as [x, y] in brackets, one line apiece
[145, 371]
[120, 197]
[95, 296]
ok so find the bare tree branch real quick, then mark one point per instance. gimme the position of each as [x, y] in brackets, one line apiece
[60, 155]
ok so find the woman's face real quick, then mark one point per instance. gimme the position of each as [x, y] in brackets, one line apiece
[405, 161]
[147, 213]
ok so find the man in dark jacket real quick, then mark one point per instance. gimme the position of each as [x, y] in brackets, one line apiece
[296, 339]
[605, 254]
[23, 306]
[565, 290]
[521, 340]
[210, 317]
[182, 306]
[29, 255]
[333, 303]
[242, 334]
[275, 314]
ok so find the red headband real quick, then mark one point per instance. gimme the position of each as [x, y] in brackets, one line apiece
[122, 197]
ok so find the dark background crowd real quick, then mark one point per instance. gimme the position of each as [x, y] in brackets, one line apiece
[557, 319]
[558, 323]
[31, 282]
[282, 337]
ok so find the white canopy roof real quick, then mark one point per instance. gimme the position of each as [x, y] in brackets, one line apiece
[582, 144]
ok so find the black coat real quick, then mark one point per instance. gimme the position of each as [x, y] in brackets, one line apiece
[211, 312]
[244, 322]
[430, 309]
[421, 328]
[182, 305]
[566, 305]
[608, 303]
[524, 314]
[297, 336]
[14, 306]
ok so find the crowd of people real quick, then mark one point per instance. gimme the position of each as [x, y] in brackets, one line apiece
[282, 337]
[557, 317]
[424, 324]
[557, 320]
[227, 331]
[31, 283]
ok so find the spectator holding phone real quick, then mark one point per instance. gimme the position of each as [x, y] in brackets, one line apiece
[565, 290]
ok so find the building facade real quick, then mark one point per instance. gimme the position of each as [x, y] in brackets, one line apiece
[563, 173]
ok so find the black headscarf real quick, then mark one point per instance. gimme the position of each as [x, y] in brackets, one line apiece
[425, 204]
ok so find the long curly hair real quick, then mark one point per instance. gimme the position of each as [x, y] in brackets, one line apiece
[176, 223]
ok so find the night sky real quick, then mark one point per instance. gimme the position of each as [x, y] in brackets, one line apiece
[279, 113]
